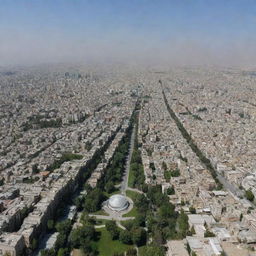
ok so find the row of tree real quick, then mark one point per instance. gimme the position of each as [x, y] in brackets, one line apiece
[137, 177]
[94, 198]
[204, 160]
[66, 240]
[60, 248]
[85, 237]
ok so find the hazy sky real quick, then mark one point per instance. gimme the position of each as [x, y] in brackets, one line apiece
[138, 31]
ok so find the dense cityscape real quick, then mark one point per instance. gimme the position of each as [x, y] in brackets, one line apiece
[127, 128]
[156, 162]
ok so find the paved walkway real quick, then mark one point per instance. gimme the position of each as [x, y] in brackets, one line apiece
[117, 218]
[118, 223]
[99, 226]
[135, 190]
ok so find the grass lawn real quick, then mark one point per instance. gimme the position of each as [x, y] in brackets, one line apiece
[142, 250]
[134, 211]
[131, 179]
[107, 246]
[131, 194]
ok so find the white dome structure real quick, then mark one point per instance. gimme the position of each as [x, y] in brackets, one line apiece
[118, 203]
